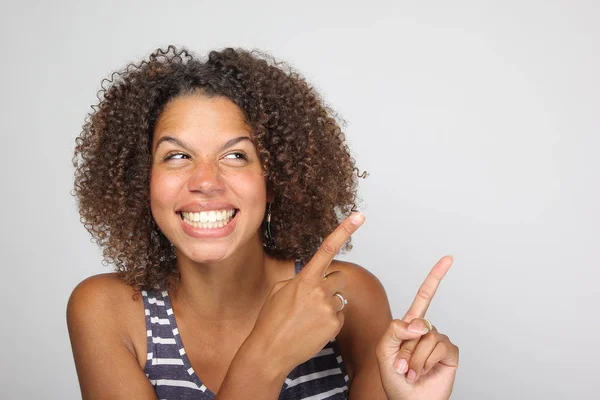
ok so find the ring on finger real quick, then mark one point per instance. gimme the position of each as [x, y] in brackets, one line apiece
[429, 324]
[343, 300]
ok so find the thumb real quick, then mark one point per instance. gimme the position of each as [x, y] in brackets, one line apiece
[393, 337]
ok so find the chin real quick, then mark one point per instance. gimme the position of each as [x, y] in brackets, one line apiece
[205, 256]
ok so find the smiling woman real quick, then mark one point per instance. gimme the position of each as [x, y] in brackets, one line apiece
[303, 155]
[216, 188]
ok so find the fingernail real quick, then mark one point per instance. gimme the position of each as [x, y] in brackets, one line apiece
[357, 218]
[417, 329]
[401, 366]
[412, 375]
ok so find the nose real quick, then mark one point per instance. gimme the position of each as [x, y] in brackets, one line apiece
[205, 178]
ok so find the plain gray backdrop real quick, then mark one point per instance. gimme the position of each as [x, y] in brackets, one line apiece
[478, 123]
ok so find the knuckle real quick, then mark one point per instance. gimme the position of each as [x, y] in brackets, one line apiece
[334, 307]
[319, 293]
[416, 364]
[410, 316]
[325, 309]
[443, 346]
[408, 347]
[398, 325]
[405, 352]
[347, 228]
[335, 325]
[430, 338]
[330, 309]
[328, 248]
[424, 294]
[305, 283]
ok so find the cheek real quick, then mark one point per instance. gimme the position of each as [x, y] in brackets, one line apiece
[250, 187]
[163, 189]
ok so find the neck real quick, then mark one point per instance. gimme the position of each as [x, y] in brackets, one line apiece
[226, 289]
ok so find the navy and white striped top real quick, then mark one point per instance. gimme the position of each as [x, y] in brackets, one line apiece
[169, 369]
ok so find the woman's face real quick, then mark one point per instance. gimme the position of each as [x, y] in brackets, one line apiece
[207, 190]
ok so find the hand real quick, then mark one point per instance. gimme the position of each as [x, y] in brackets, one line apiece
[417, 362]
[302, 315]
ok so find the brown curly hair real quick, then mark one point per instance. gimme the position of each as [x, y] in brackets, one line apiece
[307, 164]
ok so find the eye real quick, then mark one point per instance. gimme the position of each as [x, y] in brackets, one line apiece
[236, 156]
[176, 156]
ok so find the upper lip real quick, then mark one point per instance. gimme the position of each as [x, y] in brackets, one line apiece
[206, 206]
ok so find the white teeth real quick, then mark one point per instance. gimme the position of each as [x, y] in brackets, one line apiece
[208, 219]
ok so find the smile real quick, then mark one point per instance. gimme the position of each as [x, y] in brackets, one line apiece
[208, 219]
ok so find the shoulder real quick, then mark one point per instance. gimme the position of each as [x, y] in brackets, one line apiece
[102, 293]
[362, 286]
[106, 325]
[105, 306]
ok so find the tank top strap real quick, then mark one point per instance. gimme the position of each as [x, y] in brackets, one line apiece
[299, 266]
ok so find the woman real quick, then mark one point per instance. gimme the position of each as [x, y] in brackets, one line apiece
[213, 187]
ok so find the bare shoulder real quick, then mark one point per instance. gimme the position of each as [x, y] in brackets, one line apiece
[104, 295]
[361, 284]
[107, 330]
[102, 283]
[103, 304]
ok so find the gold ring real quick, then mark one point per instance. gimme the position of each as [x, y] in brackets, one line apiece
[429, 324]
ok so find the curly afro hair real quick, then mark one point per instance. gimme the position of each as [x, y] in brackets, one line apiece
[307, 164]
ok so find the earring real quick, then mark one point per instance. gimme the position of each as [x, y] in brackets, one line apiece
[269, 236]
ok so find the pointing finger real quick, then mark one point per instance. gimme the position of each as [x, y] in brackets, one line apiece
[428, 288]
[318, 264]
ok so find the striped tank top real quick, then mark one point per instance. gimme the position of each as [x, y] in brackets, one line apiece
[169, 369]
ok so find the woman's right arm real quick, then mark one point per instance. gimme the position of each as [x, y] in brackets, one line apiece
[297, 320]
[105, 358]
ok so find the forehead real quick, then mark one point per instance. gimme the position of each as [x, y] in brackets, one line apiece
[196, 114]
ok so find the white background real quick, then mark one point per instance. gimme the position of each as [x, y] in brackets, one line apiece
[477, 121]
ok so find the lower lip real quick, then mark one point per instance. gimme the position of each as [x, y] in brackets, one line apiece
[206, 232]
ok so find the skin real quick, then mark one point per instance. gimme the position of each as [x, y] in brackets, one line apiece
[236, 307]
[415, 360]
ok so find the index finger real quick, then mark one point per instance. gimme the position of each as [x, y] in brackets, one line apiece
[319, 262]
[427, 290]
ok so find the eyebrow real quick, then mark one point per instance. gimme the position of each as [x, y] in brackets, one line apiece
[177, 142]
